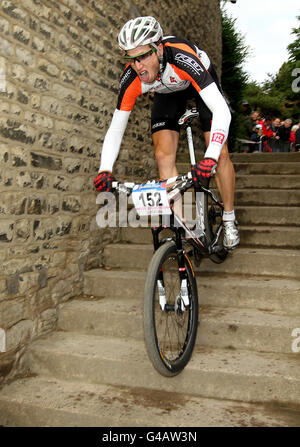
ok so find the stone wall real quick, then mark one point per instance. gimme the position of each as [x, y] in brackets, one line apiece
[59, 74]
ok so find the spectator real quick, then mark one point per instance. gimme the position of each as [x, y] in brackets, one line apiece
[275, 124]
[267, 133]
[256, 137]
[293, 137]
[267, 127]
[284, 133]
[246, 109]
[254, 132]
[297, 139]
[274, 142]
[255, 116]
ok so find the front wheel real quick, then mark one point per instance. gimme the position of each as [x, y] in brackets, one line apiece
[170, 310]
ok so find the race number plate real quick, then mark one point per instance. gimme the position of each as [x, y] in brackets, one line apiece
[151, 199]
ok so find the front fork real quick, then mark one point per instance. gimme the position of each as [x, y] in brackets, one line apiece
[182, 300]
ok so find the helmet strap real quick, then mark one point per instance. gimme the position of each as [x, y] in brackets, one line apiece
[160, 57]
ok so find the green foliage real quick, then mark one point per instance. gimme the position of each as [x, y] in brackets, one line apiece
[276, 96]
[259, 99]
[281, 84]
[234, 53]
[234, 78]
[294, 47]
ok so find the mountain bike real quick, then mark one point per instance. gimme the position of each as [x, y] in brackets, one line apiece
[170, 300]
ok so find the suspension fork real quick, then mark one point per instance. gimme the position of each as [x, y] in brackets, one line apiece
[181, 269]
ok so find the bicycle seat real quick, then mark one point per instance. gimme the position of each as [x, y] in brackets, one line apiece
[188, 115]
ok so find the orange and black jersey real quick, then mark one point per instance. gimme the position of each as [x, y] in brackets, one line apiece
[183, 64]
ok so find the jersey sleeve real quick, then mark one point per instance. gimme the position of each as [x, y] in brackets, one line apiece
[113, 139]
[130, 89]
[221, 118]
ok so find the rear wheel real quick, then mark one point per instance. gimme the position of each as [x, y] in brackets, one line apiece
[170, 310]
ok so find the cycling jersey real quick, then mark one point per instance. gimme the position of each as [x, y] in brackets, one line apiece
[184, 65]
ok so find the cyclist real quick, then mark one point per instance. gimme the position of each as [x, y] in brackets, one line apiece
[176, 70]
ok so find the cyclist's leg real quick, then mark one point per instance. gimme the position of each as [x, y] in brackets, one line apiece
[165, 143]
[166, 110]
[225, 180]
[225, 177]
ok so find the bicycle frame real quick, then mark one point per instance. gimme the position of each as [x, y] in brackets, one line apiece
[176, 187]
[180, 229]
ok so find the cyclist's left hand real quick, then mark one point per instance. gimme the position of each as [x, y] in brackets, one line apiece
[204, 169]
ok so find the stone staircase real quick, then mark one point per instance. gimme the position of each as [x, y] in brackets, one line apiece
[94, 370]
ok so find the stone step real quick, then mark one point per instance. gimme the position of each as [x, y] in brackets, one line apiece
[265, 215]
[268, 215]
[48, 402]
[266, 157]
[254, 292]
[268, 236]
[253, 329]
[247, 329]
[214, 373]
[246, 261]
[260, 236]
[270, 158]
[267, 169]
[260, 181]
[263, 197]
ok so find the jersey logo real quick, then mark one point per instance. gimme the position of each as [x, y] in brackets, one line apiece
[218, 138]
[125, 77]
[173, 80]
[186, 60]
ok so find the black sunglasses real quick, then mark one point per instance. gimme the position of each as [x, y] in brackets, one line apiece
[140, 57]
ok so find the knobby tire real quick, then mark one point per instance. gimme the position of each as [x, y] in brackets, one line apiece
[169, 336]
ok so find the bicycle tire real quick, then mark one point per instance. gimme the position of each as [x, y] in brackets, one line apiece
[169, 358]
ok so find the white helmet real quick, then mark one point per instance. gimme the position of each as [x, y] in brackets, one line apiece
[139, 31]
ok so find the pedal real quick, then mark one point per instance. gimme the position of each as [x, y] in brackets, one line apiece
[197, 257]
[220, 251]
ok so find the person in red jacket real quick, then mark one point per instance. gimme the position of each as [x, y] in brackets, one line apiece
[293, 136]
[267, 132]
[267, 127]
[297, 139]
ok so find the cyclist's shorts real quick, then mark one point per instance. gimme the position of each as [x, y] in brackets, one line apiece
[169, 107]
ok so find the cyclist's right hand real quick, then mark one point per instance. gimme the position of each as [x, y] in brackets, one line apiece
[103, 182]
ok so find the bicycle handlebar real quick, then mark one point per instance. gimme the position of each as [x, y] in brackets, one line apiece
[186, 180]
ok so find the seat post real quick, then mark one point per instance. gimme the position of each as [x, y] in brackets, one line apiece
[190, 144]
